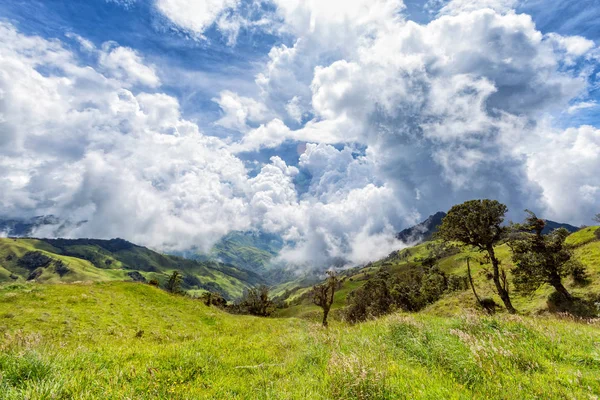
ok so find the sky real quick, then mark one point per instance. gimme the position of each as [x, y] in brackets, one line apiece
[331, 123]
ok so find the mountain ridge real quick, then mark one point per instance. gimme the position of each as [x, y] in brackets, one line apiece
[68, 260]
[425, 230]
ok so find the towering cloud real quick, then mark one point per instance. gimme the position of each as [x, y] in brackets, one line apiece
[390, 119]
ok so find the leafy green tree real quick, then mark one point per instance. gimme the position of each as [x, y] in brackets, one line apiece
[539, 258]
[174, 283]
[213, 299]
[256, 301]
[323, 294]
[373, 299]
[478, 223]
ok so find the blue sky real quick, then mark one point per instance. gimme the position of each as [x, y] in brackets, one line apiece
[333, 124]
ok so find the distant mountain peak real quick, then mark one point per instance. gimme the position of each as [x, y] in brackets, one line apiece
[423, 231]
[552, 225]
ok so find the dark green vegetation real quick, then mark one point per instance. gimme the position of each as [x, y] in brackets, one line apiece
[416, 270]
[542, 259]
[478, 223]
[62, 260]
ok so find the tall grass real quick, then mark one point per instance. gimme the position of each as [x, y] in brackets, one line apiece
[124, 340]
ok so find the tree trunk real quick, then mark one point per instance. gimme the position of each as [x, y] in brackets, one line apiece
[556, 282]
[325, 313]
[471, 282]
[502, 292]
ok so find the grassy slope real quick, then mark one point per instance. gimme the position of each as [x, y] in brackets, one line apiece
[251, 251]
[92, 262]
[587, 250]
[80, 341]
[80, 269]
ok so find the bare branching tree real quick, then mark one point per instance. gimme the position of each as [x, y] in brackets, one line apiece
[323, 294]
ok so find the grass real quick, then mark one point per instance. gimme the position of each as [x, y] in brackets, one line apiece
[586, 249]
[583, 236]
[90, 262]
[117, 340]
[121, 340]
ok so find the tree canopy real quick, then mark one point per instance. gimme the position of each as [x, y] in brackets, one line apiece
[478, 223]
[539, 258]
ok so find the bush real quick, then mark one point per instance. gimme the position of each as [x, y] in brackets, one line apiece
[579, 274]
[489, 305]
[33, 260]
[136, 276]
[584, 308]
[456, 283]
[371, 300]
[35, 274]
[61, 268]
[213, 299]
[255, 301]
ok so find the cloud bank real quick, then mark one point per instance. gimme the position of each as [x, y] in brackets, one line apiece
[391, 119]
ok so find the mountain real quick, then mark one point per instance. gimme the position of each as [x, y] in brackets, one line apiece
[551, 225]
[422, 231]
[250, 251]
[68, 260]
[25, 226]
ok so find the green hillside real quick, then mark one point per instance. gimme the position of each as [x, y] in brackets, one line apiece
[65, 260]
[118, 340]
[250, 251]
[585, 242]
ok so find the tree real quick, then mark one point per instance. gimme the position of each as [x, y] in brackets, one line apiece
[256, 301]
[373, 299]
[539, 258]
[323, 294]
[478, 223]
[174, 283]
[597, 218]
[214, 299]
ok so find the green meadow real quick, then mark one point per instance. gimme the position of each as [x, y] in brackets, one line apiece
[104, 338]
[119, 340]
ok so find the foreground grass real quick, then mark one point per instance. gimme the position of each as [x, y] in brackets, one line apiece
[125, 340]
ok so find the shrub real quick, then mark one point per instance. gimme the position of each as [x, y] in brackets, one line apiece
[35, 274]
[489, 305]
[213, 299]
[579, 274]
[256, 301]
[373, 299]
[61, 268]
[585, 308]
[33, 260]
[174, 283]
